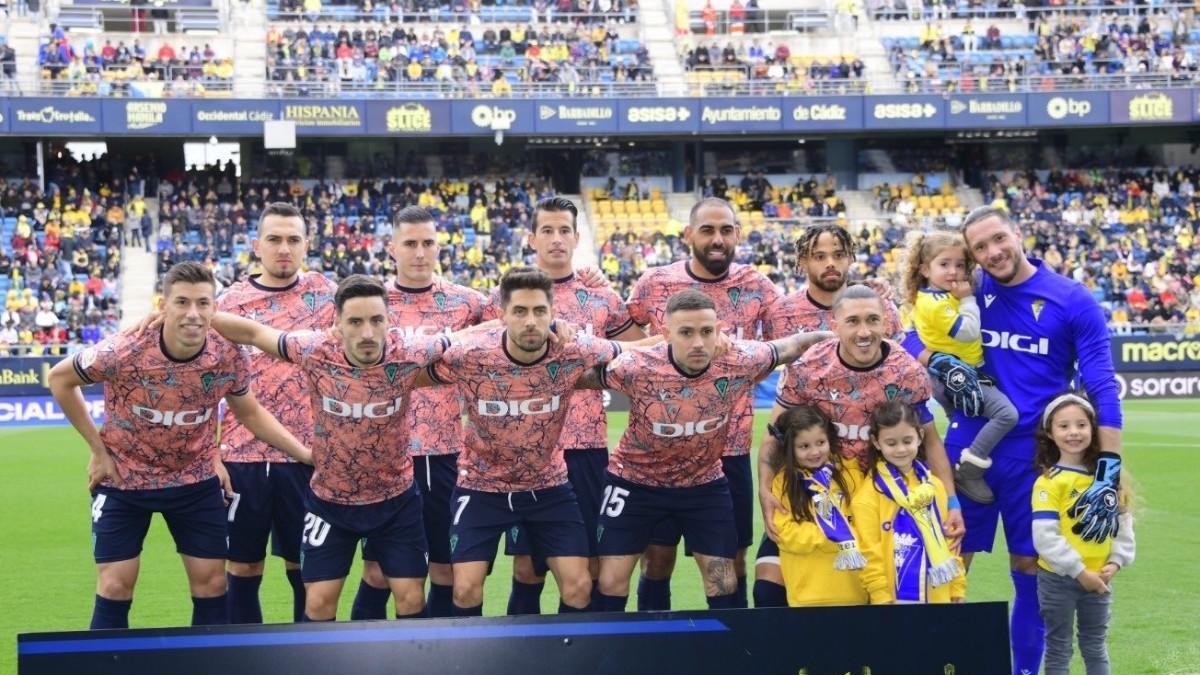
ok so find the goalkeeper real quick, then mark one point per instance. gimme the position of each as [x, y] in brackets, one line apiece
[937, 285]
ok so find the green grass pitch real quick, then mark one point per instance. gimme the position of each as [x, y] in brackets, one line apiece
[49, 578]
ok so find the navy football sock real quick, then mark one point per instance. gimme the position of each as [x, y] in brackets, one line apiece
[241, 601]
[418, 615]
[440, 601]
[525, 598]
[477, 610]
[740, 601]
[769, 594]
[297, 584]
[564, 608]
[209, 611]
[370, 603]
[110, 613]
[304, 618]
[654, 595]
[723, 601]
[610, 603]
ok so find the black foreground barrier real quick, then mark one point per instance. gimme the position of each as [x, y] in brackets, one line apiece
[905, 639]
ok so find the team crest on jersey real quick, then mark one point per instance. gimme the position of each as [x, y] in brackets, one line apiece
[552, 370]
[599, 533]
[722, 385]
[735, 295]
[391, 370]
[206, 381]
[1037, 308]
[310, 299]
[891, 391]
[514, 533]
[581, 296]
[453, 542]
[439, 299]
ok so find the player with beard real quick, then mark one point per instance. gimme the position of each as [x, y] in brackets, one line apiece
[512, 471]
[1034, 321]
[743, 298]
[824, 252]
[597, 310]
[422, 303]
[269, 487]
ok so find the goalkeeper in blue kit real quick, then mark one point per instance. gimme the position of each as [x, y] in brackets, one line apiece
[1042, 333]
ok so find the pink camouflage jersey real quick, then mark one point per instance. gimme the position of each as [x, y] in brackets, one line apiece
[799, 313]
[848, 395]
[598, 312]
[743, 298]
[161, 420]
[360, 431]
[515, 411]
[306, 304]
[675, 436]
[434, 413]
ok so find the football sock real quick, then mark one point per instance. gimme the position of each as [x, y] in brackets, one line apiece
[477, 610]
[304, 618]
[440, 600]
[740, 593]
[653, 594]
[564, 608]
[370, 603]
[209, 611]
[525, 598]
[723, 601]
[241, 600]
[769, 594]
[297, 584]
[110, 613]
[418, 615]
[610, 603]
[1027, 629]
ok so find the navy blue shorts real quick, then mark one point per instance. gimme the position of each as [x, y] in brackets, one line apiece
[549, 518]
[1011, 478]
[195, 514]
[703, 513]
[268, 501]
[741, 492]
[586, 469]
[768, 552]
[392, 531]
[436, 475]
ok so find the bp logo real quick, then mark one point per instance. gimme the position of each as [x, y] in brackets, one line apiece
[206, 381]
[310, 299]
[581, 296]
[439, 299]
[391, 370]
[735, 295]
[722, 385]
[552, 370]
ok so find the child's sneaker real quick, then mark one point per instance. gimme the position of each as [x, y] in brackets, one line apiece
[968, 478]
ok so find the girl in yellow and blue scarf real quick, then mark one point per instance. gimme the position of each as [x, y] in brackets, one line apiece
[898, 513]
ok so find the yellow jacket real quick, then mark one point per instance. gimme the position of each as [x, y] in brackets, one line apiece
[873, 516]
[806, 556]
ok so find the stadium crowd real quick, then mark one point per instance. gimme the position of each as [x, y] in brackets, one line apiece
[476, 11]
[1079, 46]
[121, 70]
[755, 61]
[482, 59]
[60, 265]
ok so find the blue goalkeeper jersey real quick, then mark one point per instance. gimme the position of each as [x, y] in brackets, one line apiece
[1039, 337]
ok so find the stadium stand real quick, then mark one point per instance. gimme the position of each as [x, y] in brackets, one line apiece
[60, 265]
[452, 59]
[133, 69]
[750, 65]
[475, 11]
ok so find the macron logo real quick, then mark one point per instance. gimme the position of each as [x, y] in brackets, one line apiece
[987, 300]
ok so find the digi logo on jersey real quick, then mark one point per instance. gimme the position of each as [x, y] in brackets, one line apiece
[373, 410]
[675, 430]
[853, 431]
[1016, 342]
[516, 408]
[173, 418]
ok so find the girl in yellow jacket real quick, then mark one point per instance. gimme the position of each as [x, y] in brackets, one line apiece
[818, 551]
[898, 512]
